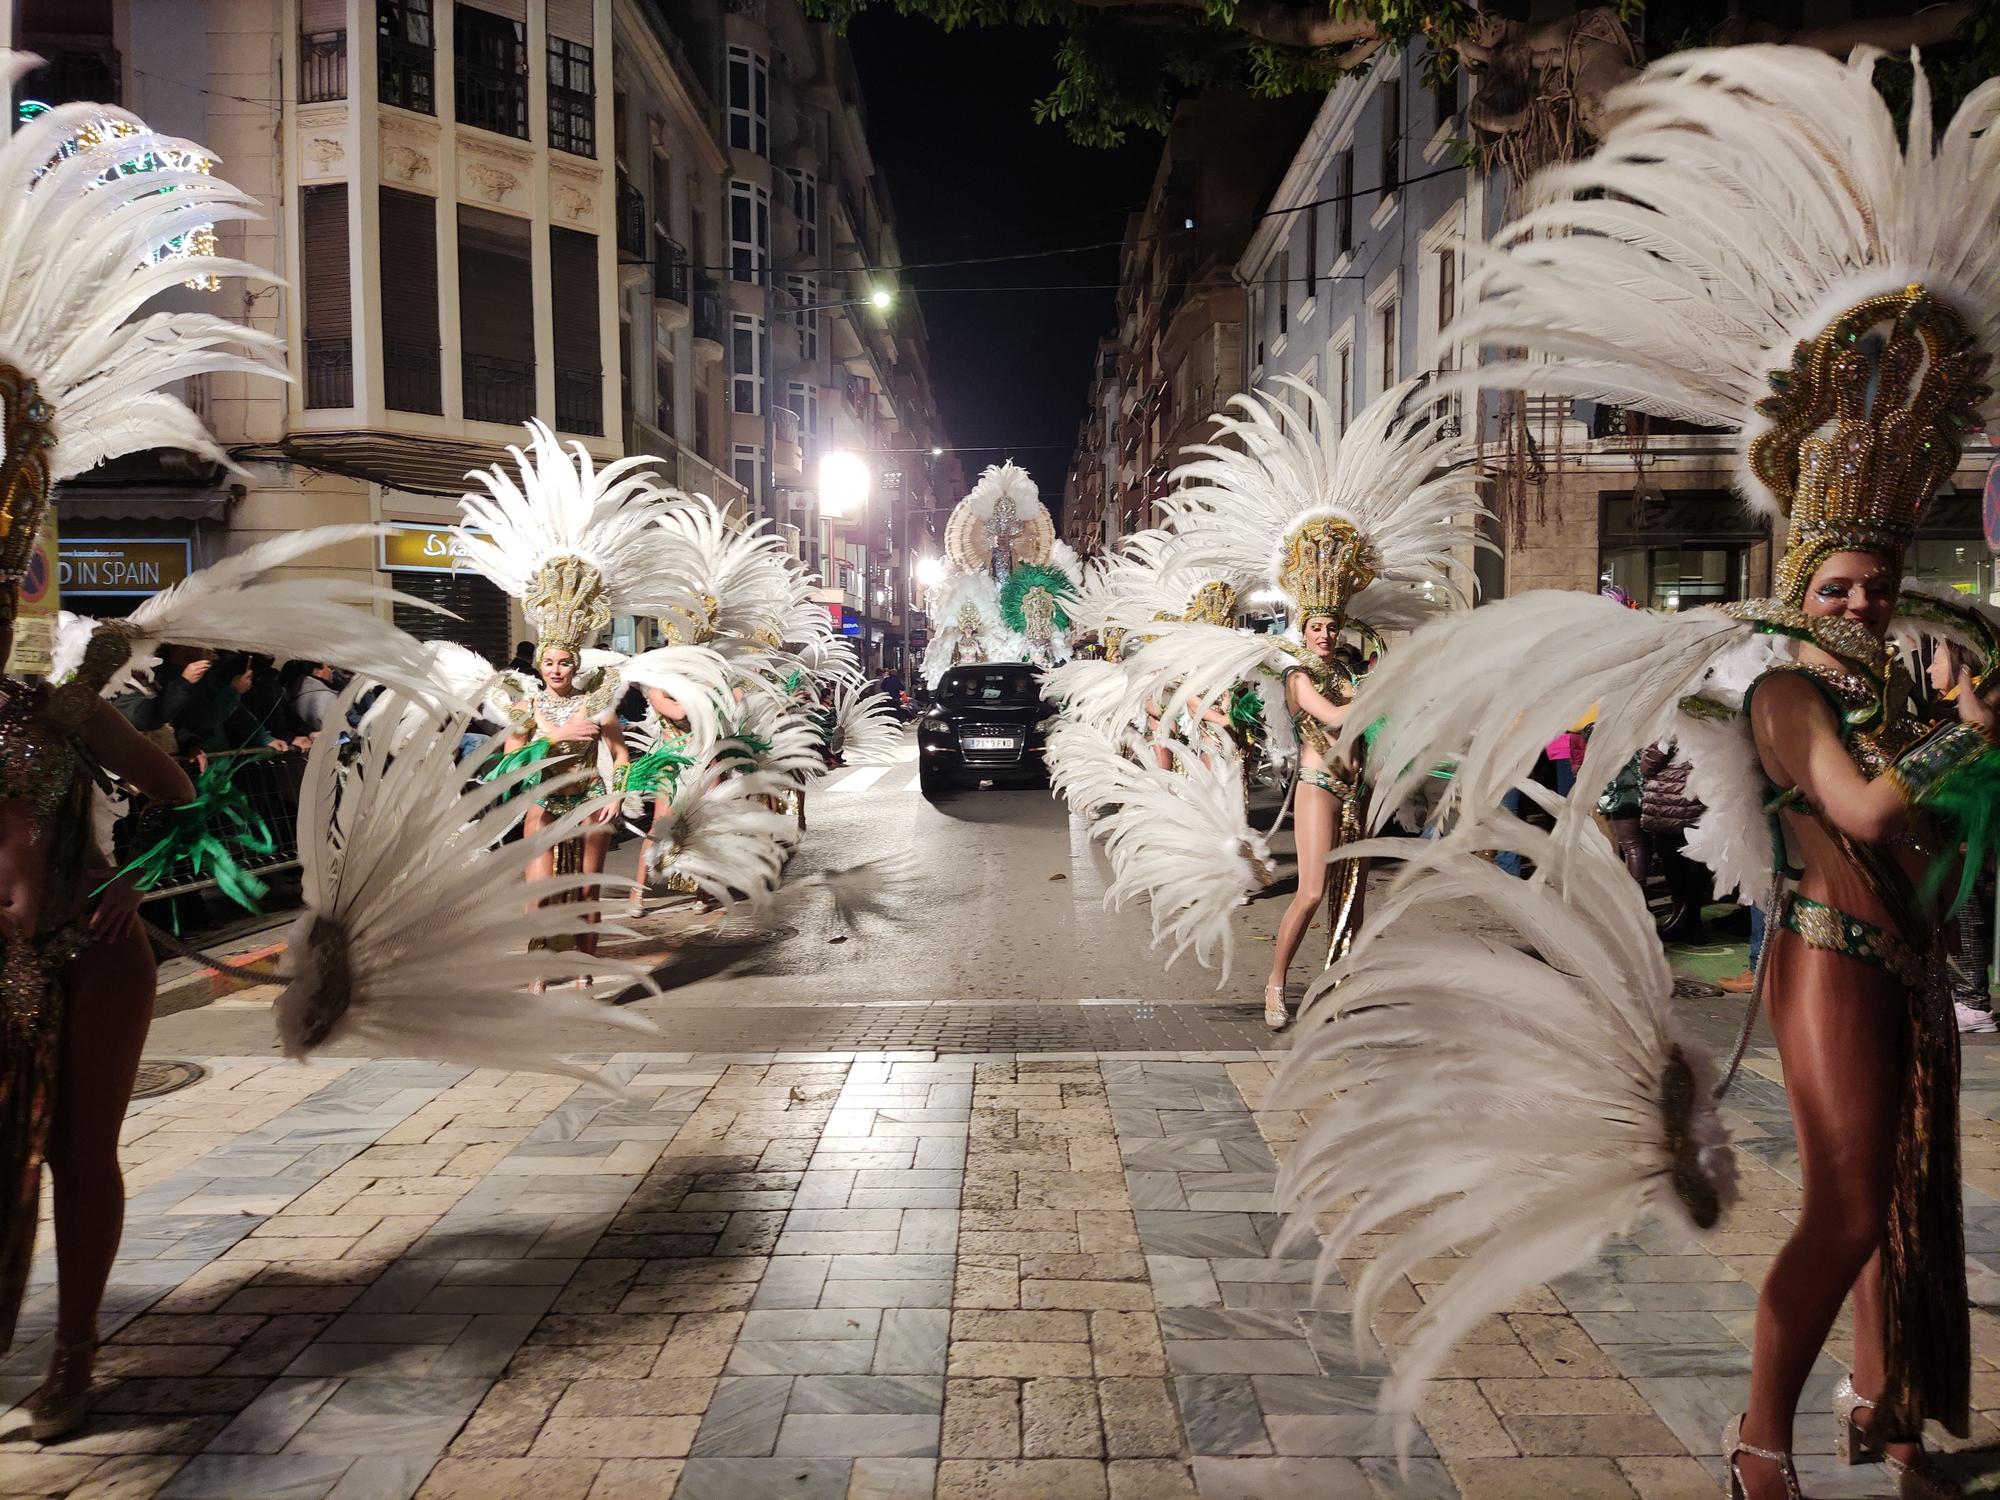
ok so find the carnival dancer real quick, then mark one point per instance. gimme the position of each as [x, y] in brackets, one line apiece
[91, 203]
[1361, 533]
[1753, 247]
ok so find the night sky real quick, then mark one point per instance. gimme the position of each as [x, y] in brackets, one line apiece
[970, 173]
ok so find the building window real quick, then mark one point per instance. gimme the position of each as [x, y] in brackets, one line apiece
[663, 393]
[746, 364]
[322, 51]
[578, 347]
[1385, 334]
[1312, 252]
[1343, 203]
[496, 300]
[572, 98]
[803, 398]
[1392, 136]
[490, 68]
[1343, 387]
[745, 468]
[749, 101]
[749, 231]
[804, 292]
[805, 207]
[411, 378]
[329, 303]
[403, 54]
[1447, 271]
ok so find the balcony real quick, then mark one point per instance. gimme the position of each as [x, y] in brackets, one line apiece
[322, 66]
[788, 460]
[492, 96]
[672, 286]
[70, 71]
[498, 389]
[329, 373]
[411, 380]
[1608, 421]
[580, 401]
[632, 218]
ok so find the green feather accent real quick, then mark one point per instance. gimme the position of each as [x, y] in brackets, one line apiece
[1246, 709]
[208, 832]
[1026, 578]
[794, 680]
[1968, 800]
[657, 771]
[533, 753]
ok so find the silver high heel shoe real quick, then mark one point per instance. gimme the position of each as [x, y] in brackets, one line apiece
[63, 1399]
[1922, 1480]
[1733, 1444]
[1275, 1014]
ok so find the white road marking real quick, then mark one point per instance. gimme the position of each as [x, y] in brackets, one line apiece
[859, 780]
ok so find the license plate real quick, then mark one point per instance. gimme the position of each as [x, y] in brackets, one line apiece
[991, 742]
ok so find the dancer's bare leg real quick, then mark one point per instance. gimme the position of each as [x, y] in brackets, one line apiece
[1839, 1029]
[1312, 822]
[108, 992]
[596, 849]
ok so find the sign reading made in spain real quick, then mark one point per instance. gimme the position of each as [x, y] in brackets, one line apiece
[121, 565]
[421, 549]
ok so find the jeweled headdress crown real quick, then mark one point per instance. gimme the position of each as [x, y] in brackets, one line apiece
[25, 473]
[567, 605]
[1325, 563]
[1214, 603]
[1865, 426]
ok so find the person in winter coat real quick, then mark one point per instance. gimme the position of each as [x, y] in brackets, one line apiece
[1666, 813]
[1620, 804]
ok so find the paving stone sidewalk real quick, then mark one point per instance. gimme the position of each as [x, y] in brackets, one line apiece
[883, 1276]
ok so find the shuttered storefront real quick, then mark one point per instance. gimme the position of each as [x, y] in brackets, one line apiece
[481, 609]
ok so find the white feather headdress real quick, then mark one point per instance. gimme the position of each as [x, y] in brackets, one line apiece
[98, 210]
[1743, 198]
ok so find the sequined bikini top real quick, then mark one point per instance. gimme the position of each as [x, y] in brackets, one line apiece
[37, 762]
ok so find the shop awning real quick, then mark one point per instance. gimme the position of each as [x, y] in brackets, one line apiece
[140, 503]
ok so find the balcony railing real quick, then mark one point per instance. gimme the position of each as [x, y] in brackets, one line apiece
[785, 424]
[631, 221]
[329, 372]
[498, 389]
[1608, 421]
[709, 314]
[322, 66]
[492, 97]
[411, 380]
[403, 74]
[580, 401]
[670, 270]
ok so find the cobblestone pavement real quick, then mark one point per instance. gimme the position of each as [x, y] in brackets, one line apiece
[891, 1275]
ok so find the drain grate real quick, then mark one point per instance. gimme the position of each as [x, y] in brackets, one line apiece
[165, 1075]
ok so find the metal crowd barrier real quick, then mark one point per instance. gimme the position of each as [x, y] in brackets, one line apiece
[271, 784]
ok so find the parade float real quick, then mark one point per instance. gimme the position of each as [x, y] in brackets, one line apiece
[1009, 579]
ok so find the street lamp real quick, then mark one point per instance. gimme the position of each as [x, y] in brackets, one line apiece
[930, 572]
[844, 481]
[881, 296]
[937, 453]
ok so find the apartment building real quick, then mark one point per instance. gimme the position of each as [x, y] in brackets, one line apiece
[654, 226]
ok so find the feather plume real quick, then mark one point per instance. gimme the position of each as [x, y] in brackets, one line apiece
[1197, 665]
[865, 731]
[1523, 1107]
[461, 675]
[693, 676]
[1399, 476]
[1089, 692]
[1090, 767]
[1178, 838]
[1742, 196]
[722, 833]
[96, 201]
[244, 603]
[411, 938]
[745, 571]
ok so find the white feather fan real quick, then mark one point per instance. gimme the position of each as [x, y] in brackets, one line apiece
[1090, 768]
[244, 603]
[1520, 1107]
[1178, 838]
[865, 729]
[722, 833]
[1400, 476]
[967, 591]
[413, 936]
[745, 571]
[1196, 666]
[558, 503]
[695, 677]
[1089, 692]
[461, 674]
[1742, 197]
[95, 200]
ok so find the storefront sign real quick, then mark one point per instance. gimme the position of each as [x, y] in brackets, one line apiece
[122, 565]
[35, 618]
[849, 625]
[422, 549]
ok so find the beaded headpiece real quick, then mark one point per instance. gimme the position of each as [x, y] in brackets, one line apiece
[683, 627]
[1214, 603]
[25, 476]
[1865, 425]
[567, 605]
[1324, 564]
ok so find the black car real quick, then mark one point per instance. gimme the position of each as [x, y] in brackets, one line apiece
[985, 724]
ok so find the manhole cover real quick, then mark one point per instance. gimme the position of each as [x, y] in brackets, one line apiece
[1695, 989]
[159, 1076]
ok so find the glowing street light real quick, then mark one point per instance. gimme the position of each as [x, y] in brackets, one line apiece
[844, 481]
[937, 453]
[930, 572]
[881, 296]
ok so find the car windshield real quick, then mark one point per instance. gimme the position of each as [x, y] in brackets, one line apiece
[997, 684]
